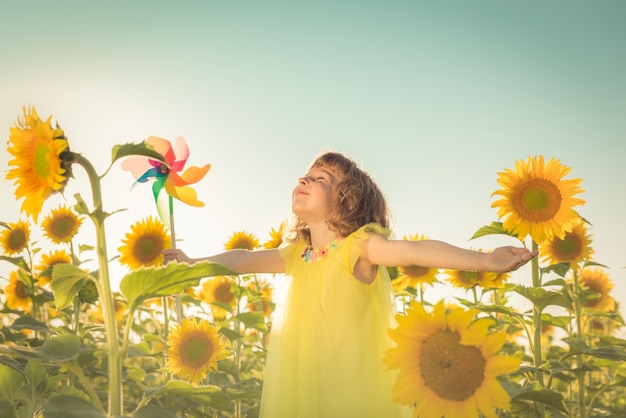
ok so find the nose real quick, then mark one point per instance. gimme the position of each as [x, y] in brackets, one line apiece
[303, 181]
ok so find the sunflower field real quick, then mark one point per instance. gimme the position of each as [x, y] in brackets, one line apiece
[180, 340]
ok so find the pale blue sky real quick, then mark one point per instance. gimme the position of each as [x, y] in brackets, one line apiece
[432, 98]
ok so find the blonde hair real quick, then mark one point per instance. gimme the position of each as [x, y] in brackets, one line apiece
[356, 199]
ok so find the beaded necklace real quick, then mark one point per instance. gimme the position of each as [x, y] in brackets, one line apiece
[311, 254]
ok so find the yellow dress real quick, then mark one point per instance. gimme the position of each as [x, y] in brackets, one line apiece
[328, 338]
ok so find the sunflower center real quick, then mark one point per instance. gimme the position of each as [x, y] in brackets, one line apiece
[415, 271]
[147, 248]
[21, 290]
[569, 248]
[538, 200]
[453, 371]
[196, 352]
[63, 227]
[223, 293]
[41, 162]
[16, 240]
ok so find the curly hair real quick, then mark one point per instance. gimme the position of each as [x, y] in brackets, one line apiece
[356, 200]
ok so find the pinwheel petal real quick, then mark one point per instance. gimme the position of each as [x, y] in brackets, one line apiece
[181, 152]
[194, 174]
[163, 147]
[157, 188]
[186, 195]
[137, 166]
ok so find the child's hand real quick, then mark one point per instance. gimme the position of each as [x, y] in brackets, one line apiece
[177, 255]
[504, 259]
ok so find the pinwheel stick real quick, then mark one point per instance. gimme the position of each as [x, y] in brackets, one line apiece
[177, 301]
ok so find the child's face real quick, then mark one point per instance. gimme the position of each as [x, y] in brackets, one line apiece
[312, 197]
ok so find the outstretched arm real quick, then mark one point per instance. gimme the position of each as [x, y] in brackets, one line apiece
[239, 261]
[438, 254]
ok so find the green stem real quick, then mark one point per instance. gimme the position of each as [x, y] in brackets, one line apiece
[579, 338]
[537, 318]
[78, 372]
[104, 289]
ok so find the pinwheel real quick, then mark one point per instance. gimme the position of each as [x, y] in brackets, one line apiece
[168, 175]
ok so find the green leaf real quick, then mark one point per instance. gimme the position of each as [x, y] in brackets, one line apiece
[11, 383]
[80, 207]
[67, 280]
[153, 411]
[142, 148]
[609, 353]
[560, 268]
[547, 397]
[37, 376]
[70, 407]
[210, 396]
[542, 298]
[16, 261]
[535, 393]
[26, 322]
[62, 348]
[164, 281]
[494, 228]
[232, 335]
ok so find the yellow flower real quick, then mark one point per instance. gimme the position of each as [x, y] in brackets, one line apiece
[48, 261]
[596, 280]
[194, 347]
[41, 161]
[276, 238]
[144, 244]
[448, 364]
[262, 300]
[61, 225]
[17, 293]
[574, 247]
[120, 311]
[464, 279]
[218, 289]
[414, 276]
[15, 237]
[536, 200]
[242, 240]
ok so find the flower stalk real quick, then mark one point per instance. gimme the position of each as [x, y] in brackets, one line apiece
[537, 353]
[104, 289]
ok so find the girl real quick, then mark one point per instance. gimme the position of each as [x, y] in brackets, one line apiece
[329, 331]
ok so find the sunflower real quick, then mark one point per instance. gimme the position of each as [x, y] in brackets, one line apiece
[574, 247]
[262, 299]
[15, 237]
[17, 293]
[41, 160]
[144, 244]
[120, 311]
[242, 240]
[218, 289]
[276, 238]
[465, 279]
[448, 364]
[194, 347]
[536, 200]
[462, 279]
[414, 276]
[48, 261]
[596, 280]
[61, 225]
